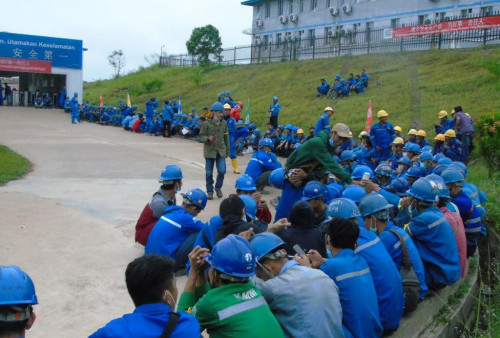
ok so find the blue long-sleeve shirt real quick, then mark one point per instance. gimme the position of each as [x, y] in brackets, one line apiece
[324, 88]
[150, 108]
[323, 123]
[382, 135]
[261, 162]
[275, 109]
[455, 150]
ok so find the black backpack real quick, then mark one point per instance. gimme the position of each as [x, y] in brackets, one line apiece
[411, 285]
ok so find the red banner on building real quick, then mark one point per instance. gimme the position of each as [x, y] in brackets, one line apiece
[25, 65]
[485, 22]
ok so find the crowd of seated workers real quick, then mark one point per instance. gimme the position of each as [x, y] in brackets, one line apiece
[342, 87]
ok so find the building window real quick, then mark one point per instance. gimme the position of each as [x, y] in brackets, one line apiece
[300, 36]
[301, 6]
[290, 6]
[369, 25]
[395, 23]
[311, 37]
[328, 3]
[421, 19]
[280, 7]
[486, 11]
[314, 5]
[328, 30]
[267, 10]
[278, 40]
[464, 12]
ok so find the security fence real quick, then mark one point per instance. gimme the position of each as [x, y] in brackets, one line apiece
[333, 43]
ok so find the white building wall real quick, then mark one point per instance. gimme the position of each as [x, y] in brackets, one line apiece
[74, 80]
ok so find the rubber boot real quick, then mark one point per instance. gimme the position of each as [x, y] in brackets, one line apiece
[235, 166]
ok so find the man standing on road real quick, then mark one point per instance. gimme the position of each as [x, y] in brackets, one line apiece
[324, 121]
[215, 138]
[274, 110]
[74, 105]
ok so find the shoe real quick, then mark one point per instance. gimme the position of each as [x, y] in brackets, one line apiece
[219, 193]
[235, 166]
[210, 195]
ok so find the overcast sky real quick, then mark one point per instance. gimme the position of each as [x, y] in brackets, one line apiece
[139, 28]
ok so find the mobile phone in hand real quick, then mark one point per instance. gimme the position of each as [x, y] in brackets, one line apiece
[299, 250]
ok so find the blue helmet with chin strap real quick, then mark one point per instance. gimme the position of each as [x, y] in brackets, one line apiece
[343, 208]
[196, 197]
[250, 206]
[264, 243]
[232, 256]
[373, 203]
[424, 190]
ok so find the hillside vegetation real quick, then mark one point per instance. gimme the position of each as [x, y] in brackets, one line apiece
[412, 86]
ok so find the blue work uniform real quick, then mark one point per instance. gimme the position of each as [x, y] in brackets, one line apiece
[261, 162]
[436, 244]
[324, 88]
[231, 129]
[393, 160]
[173, 227]
[75, 114]
[472, 221]
[386, 278]
[289, 196]
[360, 313]
[444, 126]
[150, 111]
[382, 136]
[322, 124]
[393, 247]
[365, 77]
[275, 109]
[477, 197]
[149, 321]
[365, 157]
[456, 152]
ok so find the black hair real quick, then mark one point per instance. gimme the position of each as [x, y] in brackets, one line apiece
[169, 186]
[148, 277]
[458, 109]
[231, 206]
[343, 233]
[14, 327]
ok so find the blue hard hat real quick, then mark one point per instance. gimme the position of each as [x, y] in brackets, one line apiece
[289, 126]
[453, 165]
[170, 173]
[343, 208]
[240, 122]
[275, 98]
[413, 147]
[440, 168]
[461, 165]
[268, 132]
[220, 95]
[266, 142]
[452, 175]
[347, 155]
[227, 93]
[445, 160]
[196, 197]
[437, 157]
[75, 94]
[372, 203]
[265, 243]
[245, 183]
[404, 160]
[424, 190]
[217, 106]
[256, 131]
[233, 256]
[426, 156]
[193, 110]
[134, 106]
[358, 172]
[400, 186]
[294, 130]
[282, 127]
[16, 287]
[384, 170]
[253, 125]
[438, 180]
[313, 189]
[407, 146]
[354, 193]
[427, 149]
[337, 76]
[250, 206]
[414, 172]
[334, 190]
[277, 178]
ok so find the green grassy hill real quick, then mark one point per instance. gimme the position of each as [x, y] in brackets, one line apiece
[412, 86]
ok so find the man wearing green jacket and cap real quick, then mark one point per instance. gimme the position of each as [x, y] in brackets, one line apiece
[215, 138]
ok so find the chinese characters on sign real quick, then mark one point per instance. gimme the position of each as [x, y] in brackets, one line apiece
[448, 27]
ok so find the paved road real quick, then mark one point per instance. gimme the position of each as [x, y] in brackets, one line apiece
[70, 222]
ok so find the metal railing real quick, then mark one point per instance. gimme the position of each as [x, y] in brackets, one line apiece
[344, 42]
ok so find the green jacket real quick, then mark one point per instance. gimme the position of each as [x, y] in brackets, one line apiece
[221, 144]
[234, 310]
[318, 148]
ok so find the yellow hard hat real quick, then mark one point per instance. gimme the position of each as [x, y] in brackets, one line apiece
[329, 109]
[453, 111]
[227, 106]
[300, 131]
[382, 113]
[442, 114]
[398, 128]
[450, 133]
[363, 133]
[421, 133]
[398, 140]
[439, 137]
[412, 132]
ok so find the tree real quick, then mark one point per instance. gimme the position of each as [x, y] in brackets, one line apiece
[117, 60]
[205, 41]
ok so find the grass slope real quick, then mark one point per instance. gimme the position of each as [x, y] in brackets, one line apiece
[413, 86]
[13, 165]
